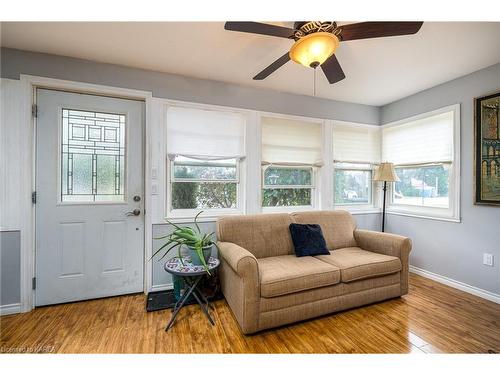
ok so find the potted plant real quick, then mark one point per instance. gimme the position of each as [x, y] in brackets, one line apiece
[199, 244]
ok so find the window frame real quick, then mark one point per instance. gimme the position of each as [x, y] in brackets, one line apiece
[184, 213]
[452, 213]
[318, 177]
[418, 166]
[209, 214]
[373, 203]
[312, 187]
[59, 201]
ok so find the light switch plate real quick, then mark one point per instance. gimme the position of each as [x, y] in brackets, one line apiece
[488, 259]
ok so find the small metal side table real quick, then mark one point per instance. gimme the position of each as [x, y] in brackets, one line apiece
[191, 275]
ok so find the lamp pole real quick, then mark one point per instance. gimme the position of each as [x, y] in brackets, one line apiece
[385, 173]
[383, 207]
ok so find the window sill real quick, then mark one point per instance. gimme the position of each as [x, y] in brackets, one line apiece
[287, 209]
[426, 217]
[208, 216]
[359, 210]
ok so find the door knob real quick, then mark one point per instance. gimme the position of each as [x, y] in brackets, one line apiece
[135, 212]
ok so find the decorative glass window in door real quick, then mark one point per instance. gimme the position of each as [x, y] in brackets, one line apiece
[92, 156]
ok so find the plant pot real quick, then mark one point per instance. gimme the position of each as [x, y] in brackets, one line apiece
[195, 259]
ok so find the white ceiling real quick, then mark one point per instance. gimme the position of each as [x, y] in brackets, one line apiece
[378, 71]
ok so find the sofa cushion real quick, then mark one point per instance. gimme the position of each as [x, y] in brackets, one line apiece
[264, 235]
[337, 226]
[308, 240]
[288, 274]
[357, 264]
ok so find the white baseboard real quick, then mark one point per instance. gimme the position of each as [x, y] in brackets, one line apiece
[457, 284]
[13, 308]
[160, 287]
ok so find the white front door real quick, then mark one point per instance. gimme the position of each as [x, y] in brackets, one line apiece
[89, 181]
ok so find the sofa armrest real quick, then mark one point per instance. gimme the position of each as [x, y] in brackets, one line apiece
[239, 278]
[242, 261]
[388, 244]
[383, 243]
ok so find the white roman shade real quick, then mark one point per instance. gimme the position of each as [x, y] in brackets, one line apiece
[421, 141]
[290, 142]
[205, 134]
[356, 143]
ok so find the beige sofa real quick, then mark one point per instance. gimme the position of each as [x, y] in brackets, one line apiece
[266, 285]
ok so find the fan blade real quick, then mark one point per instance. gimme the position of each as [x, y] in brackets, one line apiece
[260, 28]
[332, 70]
[273, 67]
[364, 30]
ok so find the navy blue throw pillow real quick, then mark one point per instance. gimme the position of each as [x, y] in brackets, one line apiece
[308, 240]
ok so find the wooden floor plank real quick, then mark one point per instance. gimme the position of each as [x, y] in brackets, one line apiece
[432, 318]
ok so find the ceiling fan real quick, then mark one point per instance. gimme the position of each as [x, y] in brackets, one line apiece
[316, 42]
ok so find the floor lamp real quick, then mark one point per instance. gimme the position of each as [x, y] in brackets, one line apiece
[385, 173]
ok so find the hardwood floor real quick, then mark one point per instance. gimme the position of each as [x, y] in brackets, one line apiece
[432, 318]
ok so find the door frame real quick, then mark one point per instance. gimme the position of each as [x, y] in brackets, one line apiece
[30, 85]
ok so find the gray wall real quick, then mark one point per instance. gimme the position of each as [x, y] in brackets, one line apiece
[10, 268]
[171, 86]
[454, 249]
[160, 277]
[162, 85]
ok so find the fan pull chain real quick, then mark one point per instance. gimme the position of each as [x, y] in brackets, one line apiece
[314, 83]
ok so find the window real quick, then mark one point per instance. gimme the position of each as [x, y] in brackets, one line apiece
[426, 186]
[285, 186]
[356, 149]
[353, 184]
[291, 153]
[205, 150]
[92, 157]
[425, 152]
[200, 184]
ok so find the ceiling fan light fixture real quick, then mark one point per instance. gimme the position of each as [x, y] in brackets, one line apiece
[314, 49]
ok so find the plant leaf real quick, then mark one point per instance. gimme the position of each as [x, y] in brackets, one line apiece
[166, 252]
[195, 221]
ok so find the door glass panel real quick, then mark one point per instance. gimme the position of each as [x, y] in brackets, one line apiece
[92, 156]
[81, 174]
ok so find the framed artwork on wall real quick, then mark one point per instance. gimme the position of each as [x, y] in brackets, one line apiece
[487, 149]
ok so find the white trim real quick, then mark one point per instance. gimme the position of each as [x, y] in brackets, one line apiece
[253, 142]
[31, 83]
[13, 308]
[426, 217]
[160, 287]
[287, 209]
[493, 297]
[446, 214]
[361, 211]
[326, 184]
[88, 88]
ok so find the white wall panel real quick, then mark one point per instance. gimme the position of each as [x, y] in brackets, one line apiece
[13, 145]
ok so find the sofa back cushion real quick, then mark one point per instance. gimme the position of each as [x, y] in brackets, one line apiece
[337, 226]
[264, 235]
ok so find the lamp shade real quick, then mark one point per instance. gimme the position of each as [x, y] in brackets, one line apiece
[386, 172]
[313, 49]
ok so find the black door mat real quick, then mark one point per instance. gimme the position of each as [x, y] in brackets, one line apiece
[165, 299]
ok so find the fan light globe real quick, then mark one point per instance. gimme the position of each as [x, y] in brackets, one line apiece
[313, 49]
